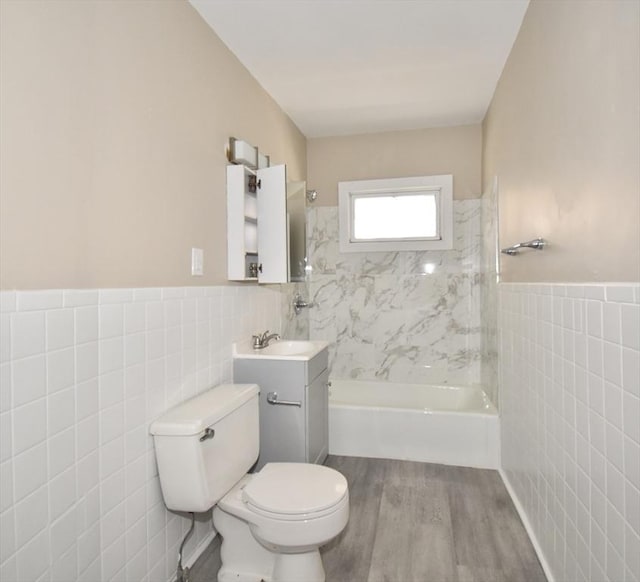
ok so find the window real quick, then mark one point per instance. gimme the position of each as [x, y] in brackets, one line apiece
[396, 214]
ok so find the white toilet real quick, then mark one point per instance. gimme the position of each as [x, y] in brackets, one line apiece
[273, 522]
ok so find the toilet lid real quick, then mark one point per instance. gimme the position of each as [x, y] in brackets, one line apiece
[294, 488]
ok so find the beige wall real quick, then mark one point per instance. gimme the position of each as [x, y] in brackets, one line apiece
[114, 121]
[562, 134]
[446, 150]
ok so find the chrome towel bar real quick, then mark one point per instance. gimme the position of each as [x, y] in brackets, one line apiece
[537, 243]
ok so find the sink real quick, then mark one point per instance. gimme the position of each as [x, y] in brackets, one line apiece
[280, 350]
[289, 348]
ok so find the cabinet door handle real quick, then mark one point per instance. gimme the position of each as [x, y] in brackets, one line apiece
[272, 398]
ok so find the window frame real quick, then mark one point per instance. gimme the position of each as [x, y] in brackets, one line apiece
[441, 185]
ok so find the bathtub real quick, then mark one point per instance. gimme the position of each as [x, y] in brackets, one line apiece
[415, 422]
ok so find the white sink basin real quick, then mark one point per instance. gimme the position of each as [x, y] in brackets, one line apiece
[280, 350]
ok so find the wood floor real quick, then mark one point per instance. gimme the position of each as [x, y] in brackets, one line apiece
[419, 522]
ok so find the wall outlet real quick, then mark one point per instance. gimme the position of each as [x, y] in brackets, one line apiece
[197, 262]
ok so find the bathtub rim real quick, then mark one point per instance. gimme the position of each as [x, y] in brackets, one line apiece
[491, 411]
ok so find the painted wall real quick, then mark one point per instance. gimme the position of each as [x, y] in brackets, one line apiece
[444, 150]
[563, 135]
[114, 122]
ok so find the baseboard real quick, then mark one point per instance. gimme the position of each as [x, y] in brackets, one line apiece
[197, 552]
[527, 526]
[201, 547]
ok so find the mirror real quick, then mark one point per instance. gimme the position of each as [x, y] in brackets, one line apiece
[297, 218]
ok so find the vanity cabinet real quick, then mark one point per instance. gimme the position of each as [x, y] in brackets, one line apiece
[294, 425]
[257, 224]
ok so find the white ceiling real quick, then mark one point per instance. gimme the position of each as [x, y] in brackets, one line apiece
[342, 67]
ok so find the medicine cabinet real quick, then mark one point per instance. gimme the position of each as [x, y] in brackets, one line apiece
[265, 225]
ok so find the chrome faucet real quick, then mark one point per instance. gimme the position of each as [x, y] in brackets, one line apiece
[261, 341]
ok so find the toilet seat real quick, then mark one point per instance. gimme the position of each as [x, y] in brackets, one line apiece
[295, 491]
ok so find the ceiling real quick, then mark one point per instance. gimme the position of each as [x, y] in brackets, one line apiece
[340, 67]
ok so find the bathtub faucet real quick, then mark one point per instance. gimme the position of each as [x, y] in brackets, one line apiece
[261, 341]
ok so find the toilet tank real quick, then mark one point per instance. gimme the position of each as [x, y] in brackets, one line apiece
[205, 445]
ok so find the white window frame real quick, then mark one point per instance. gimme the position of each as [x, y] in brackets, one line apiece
[442, 186]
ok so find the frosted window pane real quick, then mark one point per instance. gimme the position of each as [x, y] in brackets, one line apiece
[395, 217]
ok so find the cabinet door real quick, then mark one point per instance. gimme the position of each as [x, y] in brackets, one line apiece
[318, 419]
[282, 434]
[273, 243]
[242, 224]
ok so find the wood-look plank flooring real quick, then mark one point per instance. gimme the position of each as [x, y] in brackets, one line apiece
[420, 522]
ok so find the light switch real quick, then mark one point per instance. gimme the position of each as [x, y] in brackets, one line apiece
[197, 262]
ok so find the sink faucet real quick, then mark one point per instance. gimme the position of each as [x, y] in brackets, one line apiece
[262, 340]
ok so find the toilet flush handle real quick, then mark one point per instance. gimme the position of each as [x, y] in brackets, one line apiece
[208, 434]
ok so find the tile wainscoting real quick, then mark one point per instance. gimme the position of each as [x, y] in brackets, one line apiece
[398, 316]
[570, 406]
[82, 375]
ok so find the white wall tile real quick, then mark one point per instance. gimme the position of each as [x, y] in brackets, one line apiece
[63, 533]
[111, 457]
[5, 337]
[89, 549]
[7, 535]
[113, 524]
[6, 398]
[29, 425]
[6, 437]
[110, 321]
[631, 371]
[8, 301]
[61, 451]
[81, 449]
[27, 334]
[60, 329]
[632, 461]
[86, 363]
[115, 296]
[62, 493]
[60, 369]
[80, 297]
[33, 558]
[113, 558]
[136, 567]
[630, 326]
[605, 430]
[61, 410]
[88, 472]
[86, 398]
[65, 567]
[30, 471]
[86, 324]
[38, 300]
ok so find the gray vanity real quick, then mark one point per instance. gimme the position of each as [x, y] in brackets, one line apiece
[294, 402]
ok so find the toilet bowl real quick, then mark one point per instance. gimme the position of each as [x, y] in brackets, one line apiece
[289, 510]
[273, 522]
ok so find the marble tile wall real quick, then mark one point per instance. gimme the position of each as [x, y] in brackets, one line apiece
[570, 423]
[399, 316]
[82, 375]
[489, 292]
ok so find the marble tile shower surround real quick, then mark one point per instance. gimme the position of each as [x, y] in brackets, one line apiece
[489, 293]
[399, 316]
[570, 407]
[82, 375]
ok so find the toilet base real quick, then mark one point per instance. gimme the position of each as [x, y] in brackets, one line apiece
[306, 567]
[244, 559]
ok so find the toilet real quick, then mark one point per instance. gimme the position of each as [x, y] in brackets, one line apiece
[272, 522]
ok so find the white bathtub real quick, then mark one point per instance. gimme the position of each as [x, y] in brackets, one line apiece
[434, 424]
